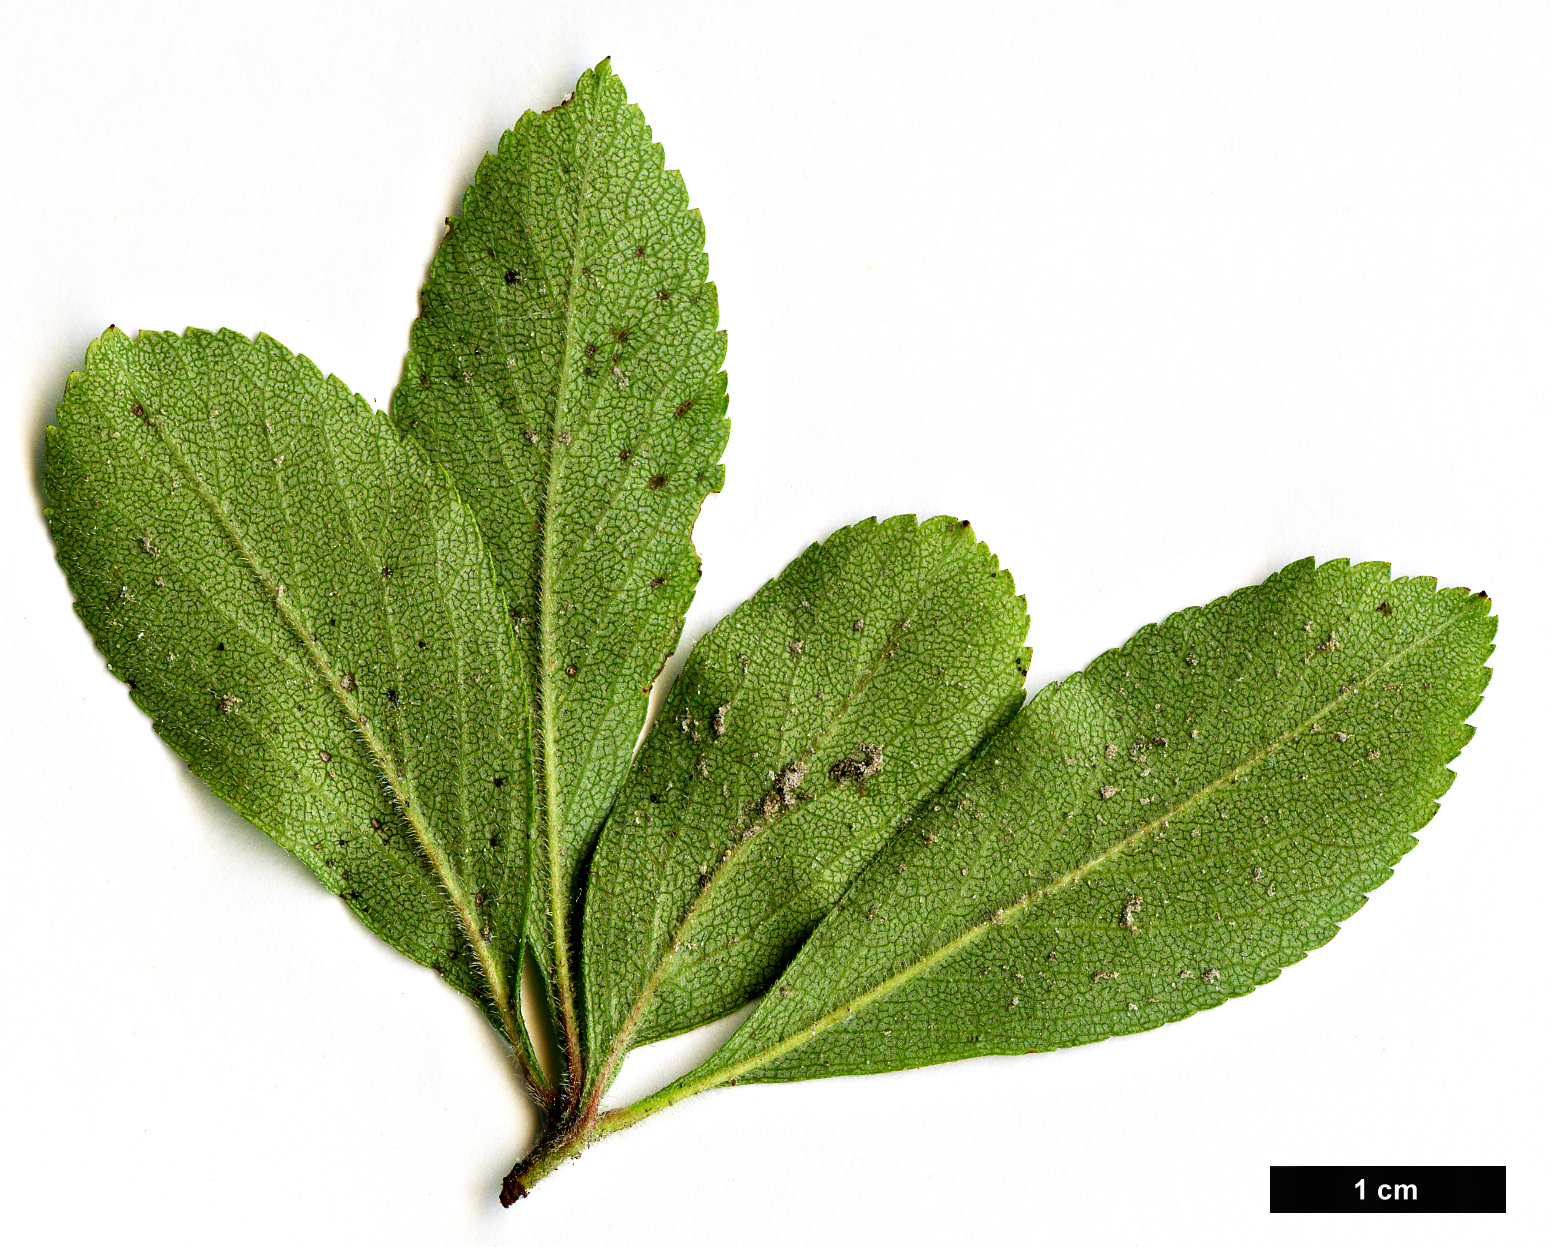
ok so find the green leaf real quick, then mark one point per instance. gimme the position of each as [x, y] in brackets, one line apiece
[1165, 830]
[805, 725]
[304, 608]
[417, 653]
[565, 370]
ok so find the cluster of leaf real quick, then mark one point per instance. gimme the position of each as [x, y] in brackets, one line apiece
[416, 650]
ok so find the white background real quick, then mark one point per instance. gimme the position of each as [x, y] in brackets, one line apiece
[1161, 296]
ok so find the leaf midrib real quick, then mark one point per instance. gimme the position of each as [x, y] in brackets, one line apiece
[559, 908]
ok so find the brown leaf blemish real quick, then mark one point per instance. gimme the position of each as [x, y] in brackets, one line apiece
[864, 762]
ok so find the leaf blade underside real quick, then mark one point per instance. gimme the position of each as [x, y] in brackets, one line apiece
[804, 726]
[565, 369]
[970, 935]
[304, 608]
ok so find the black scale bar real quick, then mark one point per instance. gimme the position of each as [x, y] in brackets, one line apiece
[1386, 1188]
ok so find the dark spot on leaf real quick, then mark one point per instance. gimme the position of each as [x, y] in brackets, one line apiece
[571, 669]
[376, 824]
[425, 382]
[590, 350]
[862, 763]
[420, 645]
[1384, 608]
[657, 582]
[965, 523]
[625, 454]
[639, 251]
[510, 277]
[654, 798]
[614, 359]
[787, 786]
[479, 898]
[220, 645]
[387, 572]
[137, 410]
[663, 296]
[620, 335]
[657, 482]
[587, 372]
[684, 407]
[393, 695]
[499, 780]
